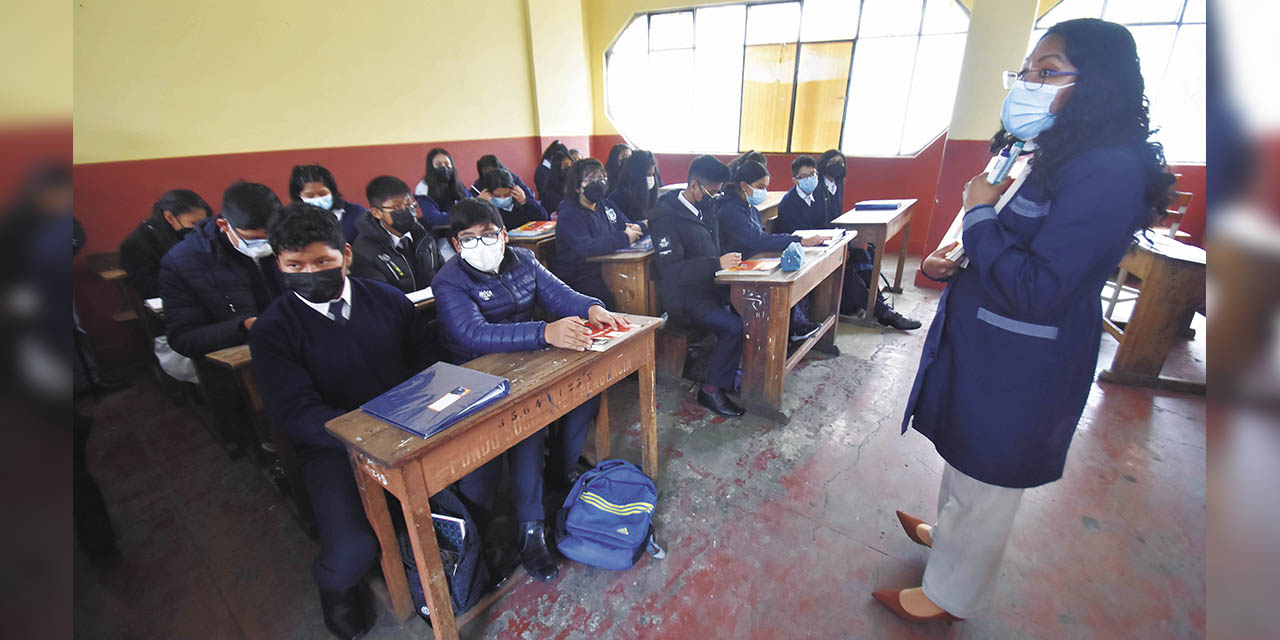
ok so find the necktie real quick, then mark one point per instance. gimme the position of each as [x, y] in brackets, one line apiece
[335, 310]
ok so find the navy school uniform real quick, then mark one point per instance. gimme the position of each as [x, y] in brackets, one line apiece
[484, 313]
[688, 251]
[432, 213]
[540, 175]
[528, 212]
[406, 264]
[582, 233]
[797, 212]
[348, 215]
[318, 369]
[1011, 353]
[742, 232]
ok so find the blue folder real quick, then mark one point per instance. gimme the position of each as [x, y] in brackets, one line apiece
[437, 398]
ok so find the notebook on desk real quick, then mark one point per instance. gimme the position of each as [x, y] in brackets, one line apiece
[761, 267]
[877, 205]
[535, 228]
[645, 243]
[437, 398]
[419, 295]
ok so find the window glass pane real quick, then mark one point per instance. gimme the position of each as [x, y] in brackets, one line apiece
[829, 20]
[890, 17]
[718, 86]
[634, 39]
[626, 73]
[822, 81]
[1179, 109]
[1133, 11]
[878, 88]
[767, 79]
[933, 90]
[1194, 12]
[1154, 44]
[945, 16]
[1070, 10]
[667, 121]
[773, 23]
[671, 30]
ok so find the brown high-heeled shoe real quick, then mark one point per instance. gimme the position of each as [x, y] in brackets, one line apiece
[910, 524]
[892, 600]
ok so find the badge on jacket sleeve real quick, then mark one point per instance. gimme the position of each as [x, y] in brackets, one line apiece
[613, 217]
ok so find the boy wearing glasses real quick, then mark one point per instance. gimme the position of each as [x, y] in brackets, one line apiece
[485, 301]
[391, 245]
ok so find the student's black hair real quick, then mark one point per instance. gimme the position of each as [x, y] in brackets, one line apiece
[488, 162]
[826, 158]
[613, 164]
[499, 178]
[573, 151]
[750, 156]
[470, 212]
[302, 224]
[801, 162]
[556, 174]
[444, 193]
[304, 173]
[634, 194]
[555, 146]
[708, 170]
[178, 202]
[1107, 106]
[249, 205]
[382, 188]
[749, 171]
[576, 173]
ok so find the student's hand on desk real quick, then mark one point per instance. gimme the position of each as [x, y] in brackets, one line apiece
[937, 266]
[633, 232]
[518, 194]
[568, 333]
[601, 317]
[730, 260]
[979, 191]
[812, 241]
[248, 322]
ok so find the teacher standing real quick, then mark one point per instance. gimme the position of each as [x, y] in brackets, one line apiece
[1011, 354]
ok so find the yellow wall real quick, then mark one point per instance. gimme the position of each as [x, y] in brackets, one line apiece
[35, 40]
[165, 78]
[998, 34]
[562, 80]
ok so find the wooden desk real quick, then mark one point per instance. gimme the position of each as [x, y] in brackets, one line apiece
[545, 385]
[542, 245]
[1173, 281]
[769, 210]
[765, 302]
[629, 276]
[876, 227]
[119, 278]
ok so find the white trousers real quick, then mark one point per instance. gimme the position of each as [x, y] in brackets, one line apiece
[974, 521]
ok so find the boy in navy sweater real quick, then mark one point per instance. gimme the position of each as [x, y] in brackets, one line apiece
[325, 347]
[485, 299]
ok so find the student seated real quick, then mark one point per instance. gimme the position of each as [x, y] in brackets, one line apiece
[805, 205]
[750, 156]
[544, 167]
[438, 190]
[857, 280]
[314, 184]
[393, 247]
[516, 205]
[552, 192]
[742, 232]
[686, 239]
[485, 302]
[327, 346]
[618, 155]
[489, 163]
[172, 218]
[637, 188]
[590, 225]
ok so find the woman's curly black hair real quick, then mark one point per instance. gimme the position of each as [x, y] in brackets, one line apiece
[1106, 107]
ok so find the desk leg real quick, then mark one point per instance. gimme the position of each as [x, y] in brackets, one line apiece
[1168, 291]
[765, 319]
[877, 239]
[426, 552]
[826, 304]
[602, 428]
[902, 260]
[649, 413]
[375, 508]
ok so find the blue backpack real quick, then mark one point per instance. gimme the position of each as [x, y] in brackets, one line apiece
[607, 519]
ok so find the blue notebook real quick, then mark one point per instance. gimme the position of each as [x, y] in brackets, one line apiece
[437, 398]
[876, 205]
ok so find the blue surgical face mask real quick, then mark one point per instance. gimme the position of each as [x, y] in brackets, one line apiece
[1025, 112]
[757, 196]
[324, 202]
[256, 248]
[501, 203]
[807, 185]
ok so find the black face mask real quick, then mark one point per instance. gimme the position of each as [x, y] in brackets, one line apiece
[443, 173]
[315, 286]
[183, 231]
[594, 191]
[403, 220]
[835, 171]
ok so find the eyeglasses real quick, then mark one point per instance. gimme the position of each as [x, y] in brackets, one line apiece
[412, 206]
[489, 239]
[1033, 78]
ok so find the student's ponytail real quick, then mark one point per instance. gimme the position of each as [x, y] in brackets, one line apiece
[748, 172]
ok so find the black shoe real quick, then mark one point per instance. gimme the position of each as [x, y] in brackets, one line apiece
[348, 614]
[804, 331]
[891, 318]
[534, 553]
[719, 403]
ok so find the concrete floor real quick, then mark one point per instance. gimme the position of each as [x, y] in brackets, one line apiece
[772, 531]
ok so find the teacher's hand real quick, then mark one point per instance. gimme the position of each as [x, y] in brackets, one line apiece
[979, 191]
[937, 266]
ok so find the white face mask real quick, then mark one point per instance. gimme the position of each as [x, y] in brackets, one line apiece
[484, 257]
[256, 249]
[649, 181]
[324, 202]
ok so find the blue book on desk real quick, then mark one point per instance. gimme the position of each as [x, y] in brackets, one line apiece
[876, 205]
[437, 398]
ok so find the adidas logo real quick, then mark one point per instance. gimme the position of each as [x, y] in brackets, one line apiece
[623, 531]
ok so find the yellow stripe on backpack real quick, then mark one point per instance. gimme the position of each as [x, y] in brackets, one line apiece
[617, 509]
